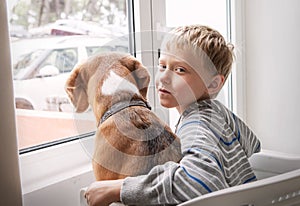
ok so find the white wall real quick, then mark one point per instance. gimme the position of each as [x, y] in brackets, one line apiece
[272, 52]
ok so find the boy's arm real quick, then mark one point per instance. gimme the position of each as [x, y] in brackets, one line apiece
[198, 173]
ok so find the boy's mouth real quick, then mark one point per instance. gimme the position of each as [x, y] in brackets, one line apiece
[163, 91]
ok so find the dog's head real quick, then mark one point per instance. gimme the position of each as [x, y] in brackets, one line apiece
[104, 74]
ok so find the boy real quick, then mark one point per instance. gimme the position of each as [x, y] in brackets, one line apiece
[194, 64]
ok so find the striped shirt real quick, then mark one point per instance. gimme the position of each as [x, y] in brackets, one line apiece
[216, 145]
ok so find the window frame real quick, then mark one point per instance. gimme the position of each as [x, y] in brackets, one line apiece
[10, 173]
[238, 37]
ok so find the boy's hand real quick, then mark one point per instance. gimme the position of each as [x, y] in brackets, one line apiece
[103, 193]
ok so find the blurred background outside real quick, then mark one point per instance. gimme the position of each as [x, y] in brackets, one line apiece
[48, 38]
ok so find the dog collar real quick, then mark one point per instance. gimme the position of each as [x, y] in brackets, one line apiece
[115, 108]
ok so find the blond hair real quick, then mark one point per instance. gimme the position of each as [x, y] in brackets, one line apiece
[208, 41]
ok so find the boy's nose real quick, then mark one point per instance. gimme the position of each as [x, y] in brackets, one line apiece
[166, 76]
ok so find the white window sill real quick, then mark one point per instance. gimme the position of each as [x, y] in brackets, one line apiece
[45, 167]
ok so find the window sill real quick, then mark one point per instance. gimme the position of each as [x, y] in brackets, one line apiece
[45, 167]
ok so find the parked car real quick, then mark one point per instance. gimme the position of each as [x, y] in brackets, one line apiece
[64, 27]
[40, 76]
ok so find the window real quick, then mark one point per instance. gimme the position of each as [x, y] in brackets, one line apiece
[44, 115]
[48, 38]
[53, 38]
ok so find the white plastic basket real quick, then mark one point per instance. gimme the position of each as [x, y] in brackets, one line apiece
[278, 184]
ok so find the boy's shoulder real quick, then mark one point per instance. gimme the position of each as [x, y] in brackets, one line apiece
[208, 107]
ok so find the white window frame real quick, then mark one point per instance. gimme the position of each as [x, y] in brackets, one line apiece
[239, 68]
[146, 27]
[10, 175]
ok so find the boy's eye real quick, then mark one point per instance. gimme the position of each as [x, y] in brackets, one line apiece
[179, 69]
[162, 67]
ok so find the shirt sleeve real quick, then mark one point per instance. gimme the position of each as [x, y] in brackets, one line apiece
[199, 172]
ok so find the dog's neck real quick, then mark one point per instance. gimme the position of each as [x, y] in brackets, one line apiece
[119, 106]
[117, 103]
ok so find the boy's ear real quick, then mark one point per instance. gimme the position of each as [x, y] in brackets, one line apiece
[216, 85]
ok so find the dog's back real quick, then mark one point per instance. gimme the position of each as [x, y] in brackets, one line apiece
[131, 143]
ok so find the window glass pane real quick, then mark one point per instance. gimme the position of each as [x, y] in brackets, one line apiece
[207, 12]
[48, 38]
[212, 13]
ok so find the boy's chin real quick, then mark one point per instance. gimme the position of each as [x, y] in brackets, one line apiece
[168, 104]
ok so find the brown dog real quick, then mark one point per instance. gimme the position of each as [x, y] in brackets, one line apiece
[130, 139]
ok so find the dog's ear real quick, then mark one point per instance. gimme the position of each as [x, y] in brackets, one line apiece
[142, 79]
[75, 87]
[139, 72]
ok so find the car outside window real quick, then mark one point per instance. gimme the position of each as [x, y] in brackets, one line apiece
[54, 38]
[25, 61]
[63, 59]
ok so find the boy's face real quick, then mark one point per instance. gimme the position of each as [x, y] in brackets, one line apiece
[178, 83]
